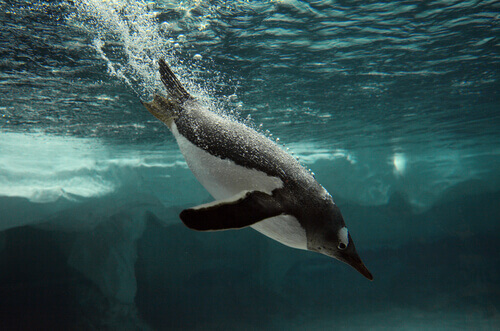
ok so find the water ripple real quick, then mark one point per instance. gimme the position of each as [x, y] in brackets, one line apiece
[338, 66]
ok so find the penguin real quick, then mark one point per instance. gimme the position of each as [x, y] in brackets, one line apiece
[254, 182]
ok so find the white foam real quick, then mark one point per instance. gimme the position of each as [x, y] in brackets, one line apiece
[127, 36]
[133, 24]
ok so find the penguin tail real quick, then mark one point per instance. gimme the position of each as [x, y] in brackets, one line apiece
[167, 109]
[176, 91]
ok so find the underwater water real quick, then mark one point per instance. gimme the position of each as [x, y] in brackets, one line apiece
[395, 106]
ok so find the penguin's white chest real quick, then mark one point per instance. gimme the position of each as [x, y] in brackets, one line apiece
[224, 179]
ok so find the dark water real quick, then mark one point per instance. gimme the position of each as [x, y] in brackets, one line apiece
[394, 105]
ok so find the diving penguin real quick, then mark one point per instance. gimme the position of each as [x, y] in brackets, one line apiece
[255, 183]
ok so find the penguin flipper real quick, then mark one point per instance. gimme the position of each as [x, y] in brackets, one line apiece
[242, 210]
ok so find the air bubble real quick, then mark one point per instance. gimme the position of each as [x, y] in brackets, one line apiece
[197, 57]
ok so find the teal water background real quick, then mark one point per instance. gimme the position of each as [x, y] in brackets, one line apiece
[394, 105]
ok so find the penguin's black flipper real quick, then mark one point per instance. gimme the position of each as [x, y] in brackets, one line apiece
[174, 87]
[242, 210]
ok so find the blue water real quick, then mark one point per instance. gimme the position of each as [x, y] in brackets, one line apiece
[394, 105]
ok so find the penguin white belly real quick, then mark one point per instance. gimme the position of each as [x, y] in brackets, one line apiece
[285, 229]
[224, 179]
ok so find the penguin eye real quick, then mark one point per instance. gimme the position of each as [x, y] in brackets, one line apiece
[343, 236]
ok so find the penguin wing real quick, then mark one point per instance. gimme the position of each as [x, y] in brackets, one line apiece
[241, 210]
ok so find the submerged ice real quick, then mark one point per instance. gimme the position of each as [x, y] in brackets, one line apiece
[103, 196]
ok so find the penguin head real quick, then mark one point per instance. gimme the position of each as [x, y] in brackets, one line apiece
[332, 238]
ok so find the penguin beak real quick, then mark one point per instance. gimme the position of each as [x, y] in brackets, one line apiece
[362, 269]
[352, 258]
[354, 261]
